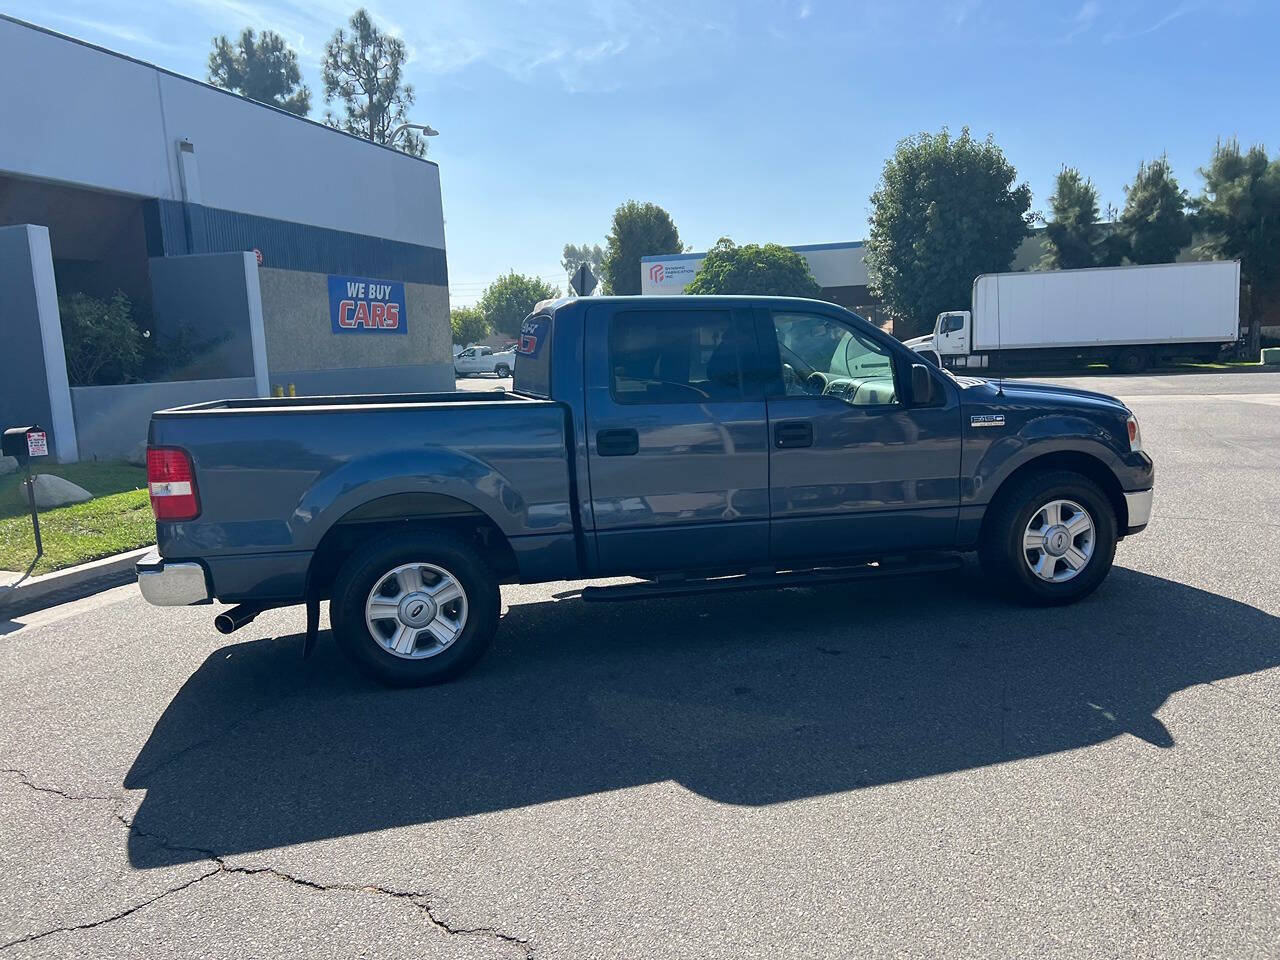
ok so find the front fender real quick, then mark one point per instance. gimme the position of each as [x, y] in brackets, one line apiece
[446, 472]
[990, 460]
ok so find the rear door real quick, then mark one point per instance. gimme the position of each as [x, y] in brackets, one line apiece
[854, 468]
[677, 441]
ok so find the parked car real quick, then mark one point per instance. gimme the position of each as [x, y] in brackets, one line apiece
[701, 444]
[477, 360]
[1126, 317]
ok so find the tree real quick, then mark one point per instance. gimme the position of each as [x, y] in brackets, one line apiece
[362, 71]
[1154, 223]
[469, 325]
[1238, 214]
[575, 256]
[944, 211]
[101, 341]
[766, 270]
[508, 300]
[1074, 238]
[262, 68]
[638, 230]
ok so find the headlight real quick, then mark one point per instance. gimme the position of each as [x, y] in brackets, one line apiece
[1135, 435]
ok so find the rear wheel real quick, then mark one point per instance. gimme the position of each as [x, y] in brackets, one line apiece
[1132, 361]
[502, 370]
[1051, 539]
[415, 608]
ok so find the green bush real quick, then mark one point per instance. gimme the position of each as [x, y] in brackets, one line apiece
[101, 341]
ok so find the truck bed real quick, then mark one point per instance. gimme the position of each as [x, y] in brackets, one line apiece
[274, 475]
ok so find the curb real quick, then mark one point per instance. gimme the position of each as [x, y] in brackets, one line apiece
[71, 583]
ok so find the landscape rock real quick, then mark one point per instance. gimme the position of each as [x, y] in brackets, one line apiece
[138, 454]
[8, 465]
[54, 491]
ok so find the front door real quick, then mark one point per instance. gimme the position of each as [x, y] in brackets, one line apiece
[854, 468]
[677, 442]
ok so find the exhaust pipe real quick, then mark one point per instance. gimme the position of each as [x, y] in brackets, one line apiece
[235, 618]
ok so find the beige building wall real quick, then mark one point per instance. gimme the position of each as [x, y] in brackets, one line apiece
[303, 350]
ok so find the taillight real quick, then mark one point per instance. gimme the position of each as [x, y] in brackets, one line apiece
[172, 484]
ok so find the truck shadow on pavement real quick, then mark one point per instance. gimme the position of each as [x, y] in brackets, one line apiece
[752, 698]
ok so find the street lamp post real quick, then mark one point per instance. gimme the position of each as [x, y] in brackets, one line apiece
[426, 129]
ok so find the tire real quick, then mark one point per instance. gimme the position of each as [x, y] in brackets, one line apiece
[502, 370]
[425, 659]
[1027, 509]
[1131, 361]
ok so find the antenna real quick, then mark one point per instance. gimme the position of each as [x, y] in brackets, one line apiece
[999, 337]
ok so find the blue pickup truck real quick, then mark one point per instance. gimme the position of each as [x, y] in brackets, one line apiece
[697, 443]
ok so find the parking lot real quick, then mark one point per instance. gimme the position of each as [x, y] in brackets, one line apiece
[914, 768]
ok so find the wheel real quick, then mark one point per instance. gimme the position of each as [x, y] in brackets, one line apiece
[1051, 540]
[1132, 361]
[502, 370]
[415, 608]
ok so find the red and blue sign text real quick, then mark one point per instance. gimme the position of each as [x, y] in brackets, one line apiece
[361, 305]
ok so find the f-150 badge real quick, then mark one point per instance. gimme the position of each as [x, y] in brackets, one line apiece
[987, 420]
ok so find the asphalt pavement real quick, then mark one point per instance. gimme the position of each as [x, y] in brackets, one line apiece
[905, 769]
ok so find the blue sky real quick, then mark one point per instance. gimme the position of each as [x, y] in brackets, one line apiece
[760, 121]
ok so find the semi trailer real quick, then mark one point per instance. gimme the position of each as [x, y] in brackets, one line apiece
[1126, 317]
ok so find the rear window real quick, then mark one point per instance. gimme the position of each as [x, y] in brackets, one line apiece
[676, 356]
[533, 357]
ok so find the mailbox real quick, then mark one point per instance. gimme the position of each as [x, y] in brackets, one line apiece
[22, 443]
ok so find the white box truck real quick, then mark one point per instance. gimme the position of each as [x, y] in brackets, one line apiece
[1127, 317]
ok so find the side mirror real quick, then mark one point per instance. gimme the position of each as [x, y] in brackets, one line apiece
[923, 388]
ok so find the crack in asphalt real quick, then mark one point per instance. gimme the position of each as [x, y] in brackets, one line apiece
[26, 781]
[420, 900]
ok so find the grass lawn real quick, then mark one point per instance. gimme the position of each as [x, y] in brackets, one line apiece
[117, 519]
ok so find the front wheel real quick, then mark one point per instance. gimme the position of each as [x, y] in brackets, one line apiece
[415, 608]
[1051, 539]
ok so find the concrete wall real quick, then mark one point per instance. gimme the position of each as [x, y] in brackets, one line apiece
[302, 348]
[33, 369]
[112, 421]
[76, 113]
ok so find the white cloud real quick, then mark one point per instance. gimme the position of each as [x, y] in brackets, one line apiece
[1084, 19]
[1122, 33]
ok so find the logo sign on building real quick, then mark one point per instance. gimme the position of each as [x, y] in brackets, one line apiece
[364, 305]
[668, 275]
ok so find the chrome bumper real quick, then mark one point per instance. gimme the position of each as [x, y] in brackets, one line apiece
[165, 584]
[1139, 506]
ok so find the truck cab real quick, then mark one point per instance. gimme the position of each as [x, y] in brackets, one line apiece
[950, 337]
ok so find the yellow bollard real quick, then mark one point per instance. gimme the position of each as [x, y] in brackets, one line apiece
[277, 391]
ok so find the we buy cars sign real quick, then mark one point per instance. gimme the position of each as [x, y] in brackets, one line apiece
[363, 305]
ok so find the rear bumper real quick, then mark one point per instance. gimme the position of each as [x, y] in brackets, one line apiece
[169, 584]
[1138, 504]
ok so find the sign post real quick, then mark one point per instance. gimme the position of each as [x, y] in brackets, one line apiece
[583, 281]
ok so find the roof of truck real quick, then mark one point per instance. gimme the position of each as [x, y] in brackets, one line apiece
[551, 306]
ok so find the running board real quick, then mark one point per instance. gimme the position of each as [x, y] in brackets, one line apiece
[654, 589]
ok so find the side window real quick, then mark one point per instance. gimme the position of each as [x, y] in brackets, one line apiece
[950, 324]
[822, 356]
[676, 356]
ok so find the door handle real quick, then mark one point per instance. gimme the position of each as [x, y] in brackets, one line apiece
[793, 433]
[617, 443]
